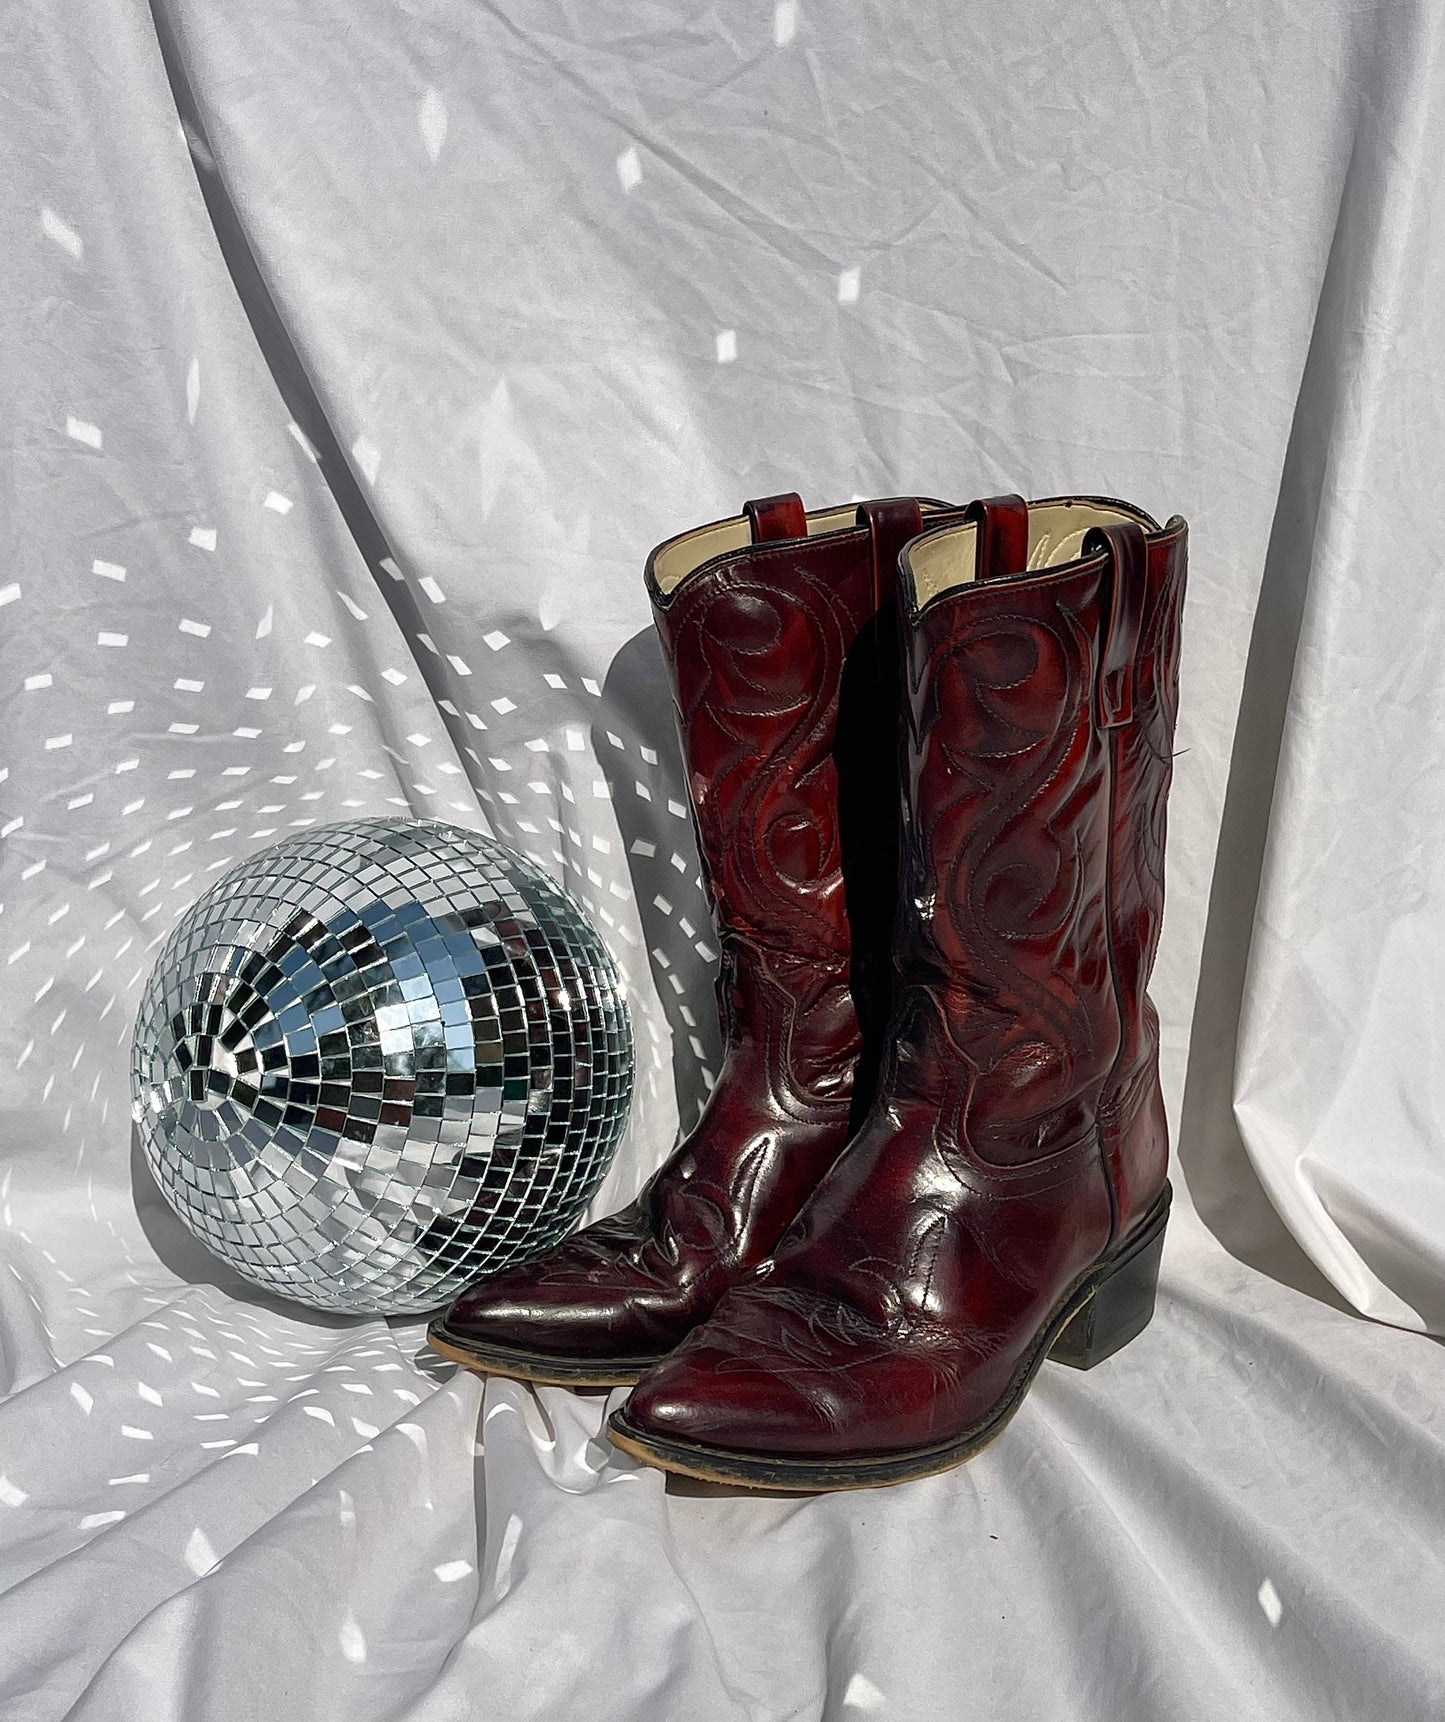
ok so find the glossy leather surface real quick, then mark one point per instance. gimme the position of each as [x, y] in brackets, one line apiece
[903, 1302]
[1131, 1109]
[785, 671]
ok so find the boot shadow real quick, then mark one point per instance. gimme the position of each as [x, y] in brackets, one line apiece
[637, 747]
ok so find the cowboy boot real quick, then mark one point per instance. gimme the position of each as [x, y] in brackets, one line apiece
[779, 629]
[1005, 1199]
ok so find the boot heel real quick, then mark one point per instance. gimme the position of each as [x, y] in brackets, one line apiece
[1120, 1307]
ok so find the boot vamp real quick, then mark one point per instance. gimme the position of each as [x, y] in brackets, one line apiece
[632, 1284]
[901, 1309]
[590, 1296]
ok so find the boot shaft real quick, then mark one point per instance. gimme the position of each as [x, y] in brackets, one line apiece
[760, 620]
[1040, 713]
[779, 629]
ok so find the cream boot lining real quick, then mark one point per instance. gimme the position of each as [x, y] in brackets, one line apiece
[1056, 536]
[680, 556]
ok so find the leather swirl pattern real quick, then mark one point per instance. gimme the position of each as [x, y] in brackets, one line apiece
[1006, 862]
[901, 1306]
[757, 674]
[760, 644]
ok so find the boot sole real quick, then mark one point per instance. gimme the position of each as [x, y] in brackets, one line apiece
[1110, 1305]
[544, 1368]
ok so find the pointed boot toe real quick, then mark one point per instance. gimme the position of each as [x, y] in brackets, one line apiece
[564, 1331]
[706, 1398]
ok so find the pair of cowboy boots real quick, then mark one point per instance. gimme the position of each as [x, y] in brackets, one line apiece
[936, 1150]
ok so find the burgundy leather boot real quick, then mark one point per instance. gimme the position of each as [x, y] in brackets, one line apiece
[779, 628]
[1005, 1199]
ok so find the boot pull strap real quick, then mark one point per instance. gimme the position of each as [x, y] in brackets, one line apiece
[773, 517]
[1127, 579]
[1002, 524]
[891, 522]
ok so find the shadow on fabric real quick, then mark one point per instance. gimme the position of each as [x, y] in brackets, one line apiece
[303, 403]
[1226, 1189]
[662, 862]
[190, 1261]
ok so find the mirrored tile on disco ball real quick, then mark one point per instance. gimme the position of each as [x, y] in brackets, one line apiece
[378, 1060]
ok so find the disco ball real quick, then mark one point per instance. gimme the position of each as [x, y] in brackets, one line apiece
[379, 1059]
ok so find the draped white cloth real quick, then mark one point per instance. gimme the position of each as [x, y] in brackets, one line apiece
[354, 356]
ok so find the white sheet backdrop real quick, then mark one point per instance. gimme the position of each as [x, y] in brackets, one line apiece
[355, 354]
